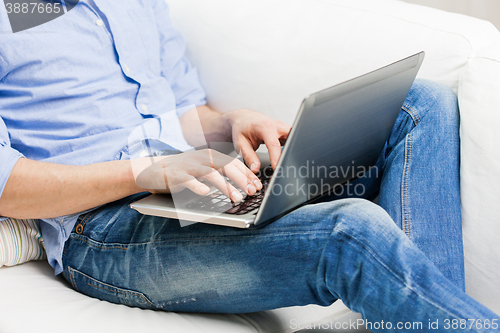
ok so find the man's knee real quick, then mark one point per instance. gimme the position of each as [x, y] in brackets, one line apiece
[360, 217]
[433, 100]
[433, 92]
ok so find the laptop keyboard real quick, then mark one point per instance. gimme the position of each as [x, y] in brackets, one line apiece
[219, 203]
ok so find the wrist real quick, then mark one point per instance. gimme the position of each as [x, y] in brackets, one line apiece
[227, 123]
[234, 118]
[128, 178]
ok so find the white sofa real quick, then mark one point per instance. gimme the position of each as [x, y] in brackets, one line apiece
[267, 55]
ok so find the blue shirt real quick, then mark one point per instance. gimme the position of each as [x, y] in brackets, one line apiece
[73, 90]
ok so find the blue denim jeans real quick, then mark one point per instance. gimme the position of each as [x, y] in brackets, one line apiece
[399, 261]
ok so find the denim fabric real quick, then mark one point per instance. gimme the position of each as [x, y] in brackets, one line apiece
[417, 177]
[349, 249]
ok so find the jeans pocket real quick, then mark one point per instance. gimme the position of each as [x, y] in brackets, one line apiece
[104, 291]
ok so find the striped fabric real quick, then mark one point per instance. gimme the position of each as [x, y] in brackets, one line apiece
[20, 241]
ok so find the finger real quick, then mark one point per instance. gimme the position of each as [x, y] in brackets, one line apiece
[283, 132]
[199, 171]
[248, 153]
[237, 172]
[251, 177]
[216, 160]
[216, 179]
[274, 148]
[240, 178]
[192, 184]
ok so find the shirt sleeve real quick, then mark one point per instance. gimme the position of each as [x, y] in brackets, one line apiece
[179, 72]
[8, 156]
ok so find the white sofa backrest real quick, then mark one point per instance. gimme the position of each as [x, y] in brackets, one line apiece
[268, 55]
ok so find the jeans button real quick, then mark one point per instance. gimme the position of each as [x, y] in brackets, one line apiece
[79, 229]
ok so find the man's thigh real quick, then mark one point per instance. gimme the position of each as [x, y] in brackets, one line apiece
[124, 257]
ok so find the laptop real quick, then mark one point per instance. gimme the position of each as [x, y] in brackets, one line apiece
[337, 135]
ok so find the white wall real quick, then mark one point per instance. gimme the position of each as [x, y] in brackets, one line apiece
[484, 9]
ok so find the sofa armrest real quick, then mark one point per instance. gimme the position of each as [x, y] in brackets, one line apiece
[479, 96]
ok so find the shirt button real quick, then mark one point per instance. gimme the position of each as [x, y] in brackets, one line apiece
[99, 23]
[144, 107]
[127, 70]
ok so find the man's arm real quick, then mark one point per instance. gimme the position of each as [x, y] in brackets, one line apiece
[45, 190]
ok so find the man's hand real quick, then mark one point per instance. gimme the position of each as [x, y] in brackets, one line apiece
[174, 173]
[249, 129]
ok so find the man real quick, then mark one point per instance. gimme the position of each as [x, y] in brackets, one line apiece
[71, 96]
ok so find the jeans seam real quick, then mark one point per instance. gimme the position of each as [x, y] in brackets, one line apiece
[414, 117]
[87, 218]
[72, 278]
[123, 292]
[405, 215]
[103, 247]
[265, 237]
[121, 246]
[411, 111]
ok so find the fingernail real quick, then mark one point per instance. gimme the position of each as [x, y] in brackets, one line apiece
[204, 189]
[251, 189]
[253, 166]
[258, 184]
[236, 195]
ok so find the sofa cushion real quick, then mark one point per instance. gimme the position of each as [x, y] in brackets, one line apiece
[53, 306]
[20, 241]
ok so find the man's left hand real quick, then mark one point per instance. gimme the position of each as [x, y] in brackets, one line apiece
[249, 129]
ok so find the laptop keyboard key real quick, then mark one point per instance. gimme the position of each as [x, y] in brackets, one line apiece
[218, 202]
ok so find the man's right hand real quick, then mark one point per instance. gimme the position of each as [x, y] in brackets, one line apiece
[170, 174]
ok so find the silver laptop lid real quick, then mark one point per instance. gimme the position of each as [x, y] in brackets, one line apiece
[338, 133]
